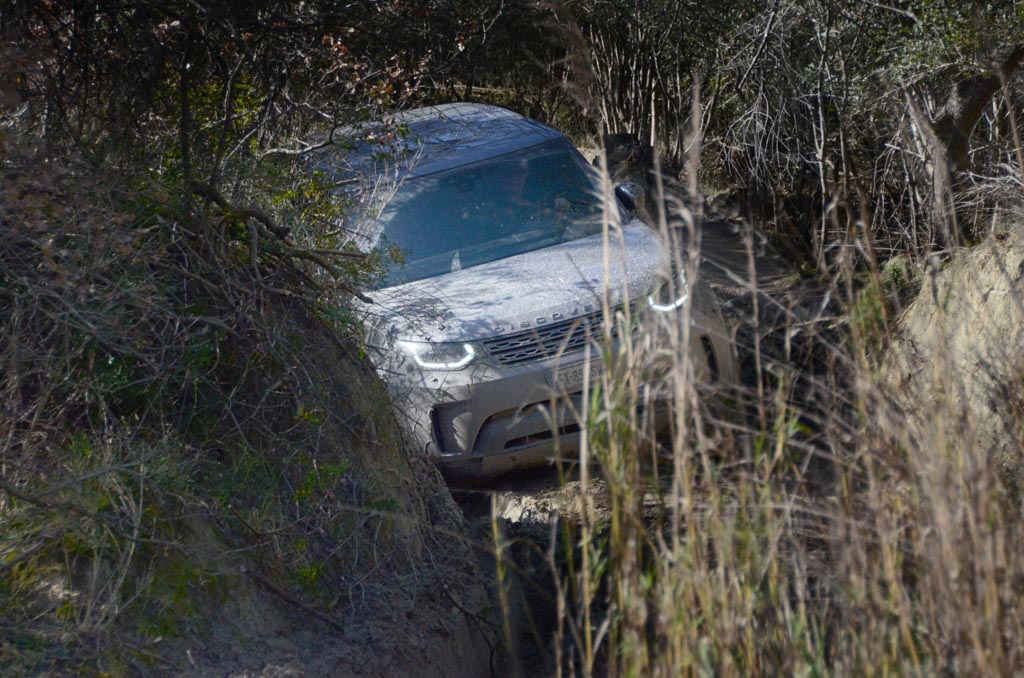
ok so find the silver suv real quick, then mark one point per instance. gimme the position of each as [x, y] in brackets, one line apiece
[496, 289]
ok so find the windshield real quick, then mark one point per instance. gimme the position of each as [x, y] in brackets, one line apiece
[489, 210]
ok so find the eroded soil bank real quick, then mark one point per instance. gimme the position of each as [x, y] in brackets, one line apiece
[433, 619]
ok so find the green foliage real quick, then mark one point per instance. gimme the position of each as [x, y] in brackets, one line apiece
[902, 281]
[868, 316]
[321, 479]
[174, 595]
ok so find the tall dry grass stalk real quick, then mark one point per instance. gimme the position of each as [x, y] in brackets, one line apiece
[820, 518]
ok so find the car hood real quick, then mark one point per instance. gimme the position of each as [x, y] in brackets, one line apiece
[521, 292]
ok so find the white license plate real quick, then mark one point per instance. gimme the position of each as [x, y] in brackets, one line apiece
[570, 379]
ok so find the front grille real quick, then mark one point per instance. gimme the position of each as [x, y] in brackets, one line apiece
[547, 341]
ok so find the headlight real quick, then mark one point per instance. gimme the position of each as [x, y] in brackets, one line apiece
[669, 296]
[439, 356]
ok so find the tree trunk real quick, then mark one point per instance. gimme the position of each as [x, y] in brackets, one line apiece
[945, 139]
[958, 116]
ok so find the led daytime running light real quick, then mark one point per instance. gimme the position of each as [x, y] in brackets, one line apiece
[417, 351]
[664, 308]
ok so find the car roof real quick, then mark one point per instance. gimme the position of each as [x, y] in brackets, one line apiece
[431, 139]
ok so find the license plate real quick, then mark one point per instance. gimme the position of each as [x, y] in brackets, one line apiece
[570, 379]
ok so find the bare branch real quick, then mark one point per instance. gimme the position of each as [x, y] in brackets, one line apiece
[761, 47]
[213, 195]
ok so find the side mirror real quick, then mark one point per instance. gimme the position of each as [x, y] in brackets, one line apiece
[632, 196]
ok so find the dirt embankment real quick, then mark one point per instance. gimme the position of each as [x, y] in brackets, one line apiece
[291, 534]
[961, 350]
[400, 591]
[411, 599]
[428, 618]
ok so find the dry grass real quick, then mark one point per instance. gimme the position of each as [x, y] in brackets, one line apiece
[832, 518]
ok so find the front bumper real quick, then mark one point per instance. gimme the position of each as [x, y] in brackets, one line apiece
[488, 419]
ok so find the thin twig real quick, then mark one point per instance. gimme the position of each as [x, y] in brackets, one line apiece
[761, 47]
